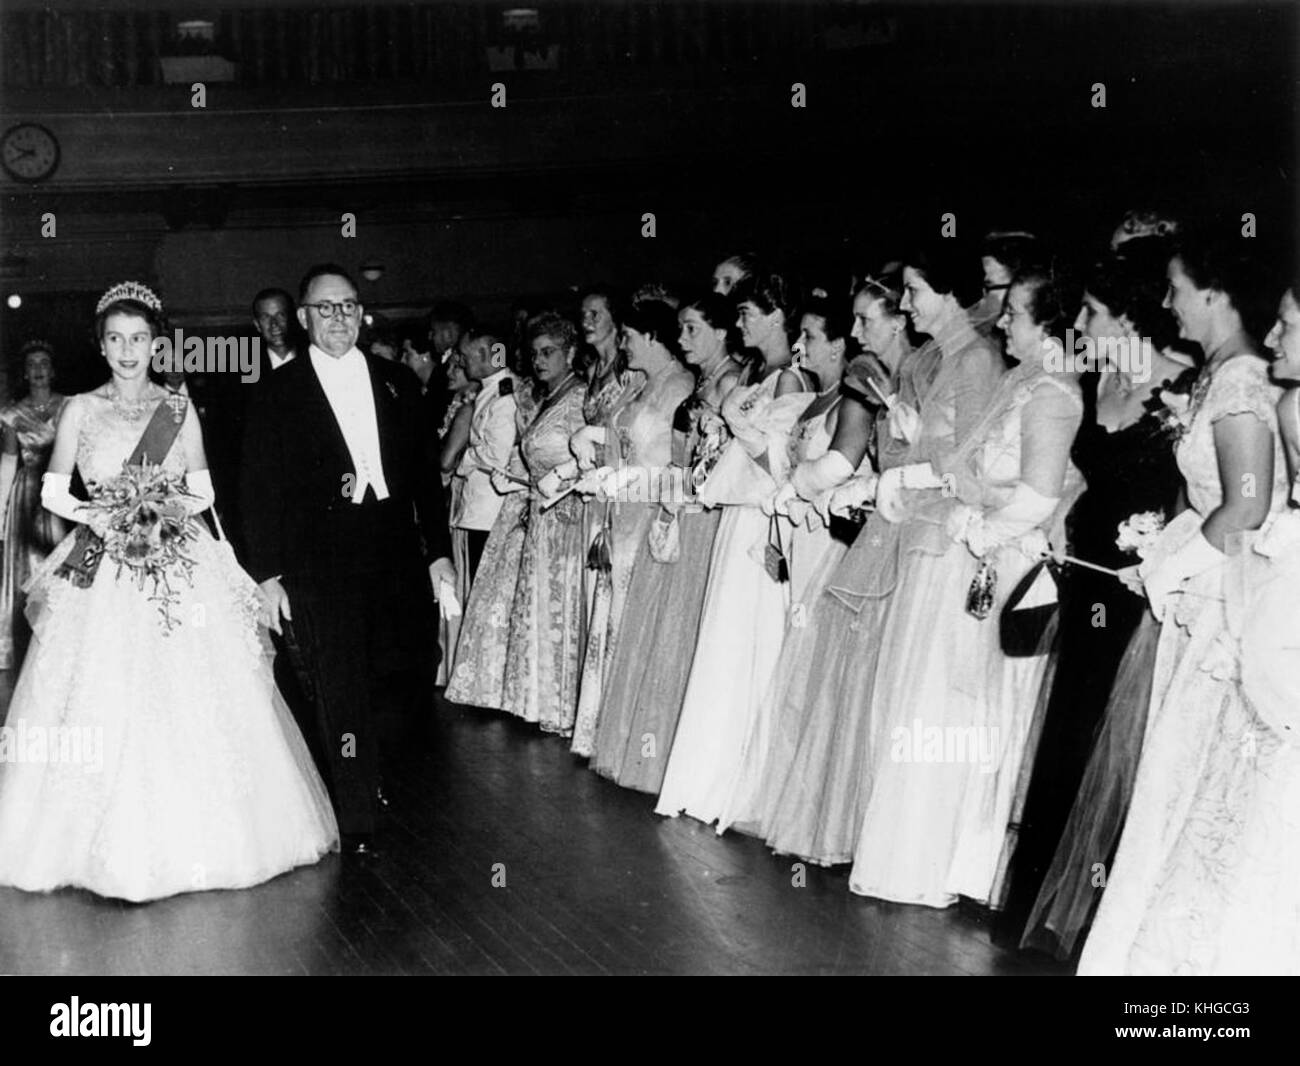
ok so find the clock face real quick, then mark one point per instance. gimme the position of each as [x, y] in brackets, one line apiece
[29, 152]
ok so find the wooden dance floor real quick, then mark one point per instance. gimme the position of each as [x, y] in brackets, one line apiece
[594, 883]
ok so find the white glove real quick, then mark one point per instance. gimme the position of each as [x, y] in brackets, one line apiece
[57, 498]
[584, 444]
[198, 483]
[778, 502]
[889, 493]
[815, 476]
[853, 493]
[505, 485]
[589, 483]
[904, 422]
[614, 484]
[553, 480]
[1164, 579]
[985, 531]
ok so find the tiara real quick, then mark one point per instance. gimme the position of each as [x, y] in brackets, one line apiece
[36, 344]
[130, 290]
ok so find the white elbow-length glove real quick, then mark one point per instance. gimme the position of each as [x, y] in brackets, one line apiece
[812, 477]
[1165, 577]
[853, 494]
[553, 481]
[584, 444]
[889, 492]
[904, 422]
[57, 498]
[198, 483]
[985, 531]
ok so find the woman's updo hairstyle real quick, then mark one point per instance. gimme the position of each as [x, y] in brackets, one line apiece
[837, 319]
[1054, 297]
[656, 319]
[1228, 265]
[770, 292]
[886, 288]
[130, 298]
[948, 268]
[1132, 283]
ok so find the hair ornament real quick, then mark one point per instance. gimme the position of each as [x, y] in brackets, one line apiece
[130, 290]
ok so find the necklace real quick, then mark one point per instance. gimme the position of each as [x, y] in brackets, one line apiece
[42, 409]
[131, 410]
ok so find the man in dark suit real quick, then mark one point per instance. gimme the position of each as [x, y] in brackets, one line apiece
[345, 529]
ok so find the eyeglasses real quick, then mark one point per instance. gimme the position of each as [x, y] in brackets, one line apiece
[330, 309]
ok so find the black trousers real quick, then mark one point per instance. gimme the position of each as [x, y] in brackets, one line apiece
[366, 644]
[477, 540]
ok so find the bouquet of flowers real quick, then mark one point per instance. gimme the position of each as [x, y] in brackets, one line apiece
[1140, 532]
[146, 526]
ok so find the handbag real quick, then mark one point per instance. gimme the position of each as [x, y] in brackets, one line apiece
[1021, 629]
[598, 557]
[664, 538]
[979, 597]
[774, 560]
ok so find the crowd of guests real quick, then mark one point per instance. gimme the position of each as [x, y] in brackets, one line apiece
[882, 574]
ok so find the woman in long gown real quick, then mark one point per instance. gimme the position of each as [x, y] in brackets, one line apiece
[1207, 876]
[453, 437]
[638, 445]
[483, 650]
[159, 756]
[828, 442]
[1125, 451]
[953, 711]
[665, 599]
[547, 631]
[745, 605]
[807, 801]
[27, 530]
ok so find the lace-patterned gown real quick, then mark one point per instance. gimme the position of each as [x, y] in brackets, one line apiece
[482, 651]
[30, 530]
[1207, 876]
[547, 619]
[143, 762]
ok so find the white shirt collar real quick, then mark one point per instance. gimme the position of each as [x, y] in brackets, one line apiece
[349, 361]
[490, 381]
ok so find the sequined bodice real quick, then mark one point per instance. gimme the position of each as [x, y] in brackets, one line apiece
[107, 440]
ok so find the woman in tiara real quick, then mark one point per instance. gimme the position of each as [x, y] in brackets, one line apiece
[26, 528]
[149, 751]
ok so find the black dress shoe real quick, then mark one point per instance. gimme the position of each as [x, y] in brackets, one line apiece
[361, 845]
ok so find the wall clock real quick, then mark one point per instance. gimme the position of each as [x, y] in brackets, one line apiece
[29, 152]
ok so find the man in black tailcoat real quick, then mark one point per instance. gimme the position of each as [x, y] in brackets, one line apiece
[345, 529]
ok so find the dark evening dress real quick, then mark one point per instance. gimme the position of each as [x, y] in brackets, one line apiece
[1128, 471]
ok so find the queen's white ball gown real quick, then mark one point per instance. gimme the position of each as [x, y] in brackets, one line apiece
[138, 761]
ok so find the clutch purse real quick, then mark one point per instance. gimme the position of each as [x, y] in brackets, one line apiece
[774, 561]
[979, 597]
[665, 538]
[1025, 617]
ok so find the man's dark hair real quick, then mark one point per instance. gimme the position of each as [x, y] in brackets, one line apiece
[321, 270]
[273, 294]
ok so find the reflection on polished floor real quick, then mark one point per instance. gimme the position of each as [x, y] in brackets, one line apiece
[503, 854]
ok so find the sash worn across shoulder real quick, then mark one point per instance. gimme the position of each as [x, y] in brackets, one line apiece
[87, 549]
